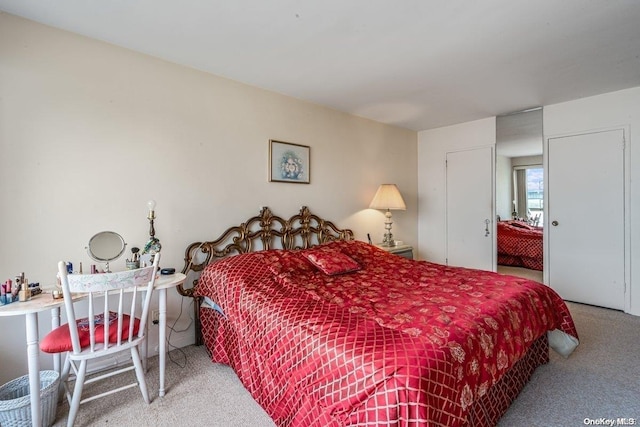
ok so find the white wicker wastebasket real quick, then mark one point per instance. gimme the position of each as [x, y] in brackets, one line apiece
[15, 402]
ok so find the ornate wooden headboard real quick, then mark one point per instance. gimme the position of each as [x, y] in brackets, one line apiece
[261, 232]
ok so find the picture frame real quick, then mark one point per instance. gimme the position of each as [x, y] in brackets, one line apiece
[289, 162]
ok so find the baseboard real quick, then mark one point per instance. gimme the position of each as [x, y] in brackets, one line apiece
[182, 340]
[177, 341]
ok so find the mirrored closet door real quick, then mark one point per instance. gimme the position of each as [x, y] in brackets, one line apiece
[520, 193]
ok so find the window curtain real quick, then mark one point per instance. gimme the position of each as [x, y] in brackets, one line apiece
[521, 193]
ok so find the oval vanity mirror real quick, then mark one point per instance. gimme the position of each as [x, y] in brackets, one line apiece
[106, 246]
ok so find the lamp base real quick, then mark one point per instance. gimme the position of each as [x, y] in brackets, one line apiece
[388, 241]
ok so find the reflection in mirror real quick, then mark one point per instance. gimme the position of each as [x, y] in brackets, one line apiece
[520, 192]
[106, 246]
[519, 148]
[529, 191]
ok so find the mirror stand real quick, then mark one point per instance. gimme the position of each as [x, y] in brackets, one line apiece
[106, 246]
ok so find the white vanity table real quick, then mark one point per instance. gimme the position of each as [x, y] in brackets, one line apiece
[162, 284]
[44, 301]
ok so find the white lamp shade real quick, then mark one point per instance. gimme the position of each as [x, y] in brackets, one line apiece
[388, 197]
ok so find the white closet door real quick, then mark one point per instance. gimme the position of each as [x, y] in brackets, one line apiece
[586, 226]
[469, 216]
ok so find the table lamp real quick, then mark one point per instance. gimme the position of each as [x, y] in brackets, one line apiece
[388, 197]
[152, 246]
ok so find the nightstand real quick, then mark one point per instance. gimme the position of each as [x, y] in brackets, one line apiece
[405, 251]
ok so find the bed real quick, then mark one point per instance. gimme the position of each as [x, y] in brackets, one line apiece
[520, 245]
[330, 331]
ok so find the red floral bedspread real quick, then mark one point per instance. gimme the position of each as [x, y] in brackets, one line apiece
[520, 245]
[399, 342]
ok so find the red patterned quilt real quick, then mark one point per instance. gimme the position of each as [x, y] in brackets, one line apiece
[520, 245]
[395, 342]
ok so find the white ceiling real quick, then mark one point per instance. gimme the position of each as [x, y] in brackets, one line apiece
[418, 64]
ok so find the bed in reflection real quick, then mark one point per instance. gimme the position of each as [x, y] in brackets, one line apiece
[520, 245]
[324, 330]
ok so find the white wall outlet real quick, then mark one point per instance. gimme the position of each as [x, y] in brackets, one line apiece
[155, 317]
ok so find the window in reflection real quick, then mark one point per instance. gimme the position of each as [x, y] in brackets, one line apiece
[529, 193]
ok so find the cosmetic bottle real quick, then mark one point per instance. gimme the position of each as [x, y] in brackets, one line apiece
[25, 293]
[15, 288]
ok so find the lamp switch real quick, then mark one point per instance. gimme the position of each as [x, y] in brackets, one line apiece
[155, 317]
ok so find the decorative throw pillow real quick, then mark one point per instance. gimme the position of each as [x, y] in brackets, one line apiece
[59, 340]
[286, 262]
[331, 262]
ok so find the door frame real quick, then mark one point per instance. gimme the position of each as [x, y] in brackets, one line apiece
[493, 226]
[626, 198]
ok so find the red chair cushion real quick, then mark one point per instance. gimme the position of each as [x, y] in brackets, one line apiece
[59, 340]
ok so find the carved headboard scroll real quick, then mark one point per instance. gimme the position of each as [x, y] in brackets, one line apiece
[262, 232]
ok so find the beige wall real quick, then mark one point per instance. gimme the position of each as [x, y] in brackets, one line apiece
[89, 132]
[504, 190]
[526, 161]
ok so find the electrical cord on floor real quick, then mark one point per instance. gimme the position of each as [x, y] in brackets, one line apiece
[172, 329]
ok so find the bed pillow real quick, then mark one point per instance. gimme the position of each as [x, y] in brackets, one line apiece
[520, 224]
[286, 262]
[331, 262]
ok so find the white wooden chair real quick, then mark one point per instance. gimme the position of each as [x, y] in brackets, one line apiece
[90, 339]
[535, 221]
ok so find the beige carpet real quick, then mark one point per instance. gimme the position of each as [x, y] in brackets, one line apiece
[198, 392]
[521, 272]
[601, 379]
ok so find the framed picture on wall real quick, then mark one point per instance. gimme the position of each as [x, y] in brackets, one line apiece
[289, 162]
